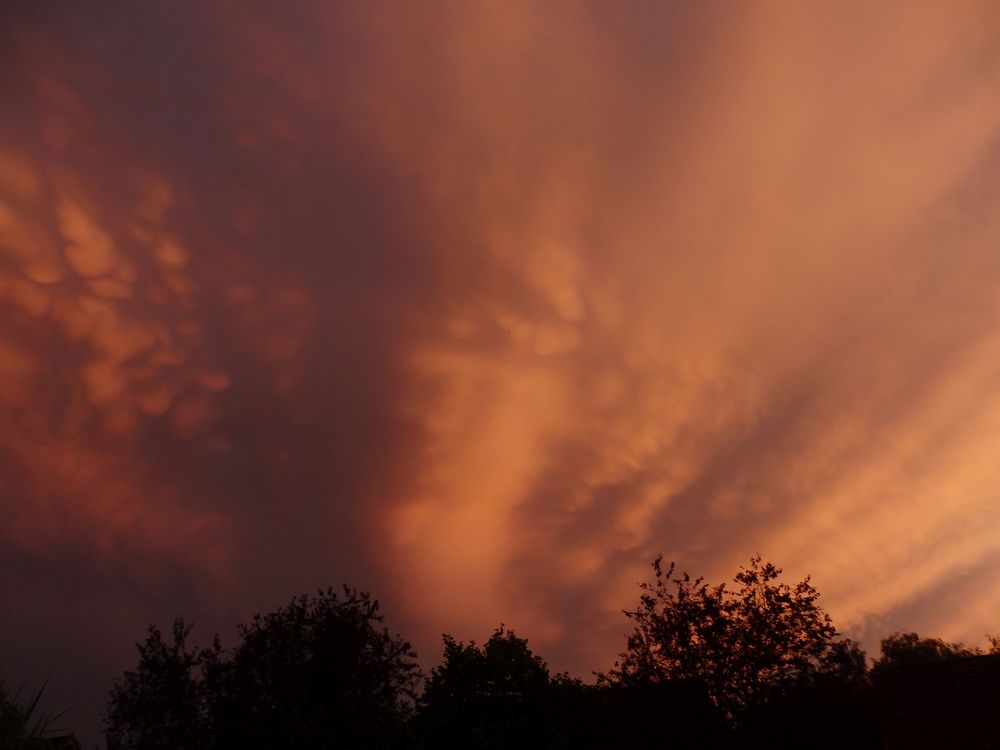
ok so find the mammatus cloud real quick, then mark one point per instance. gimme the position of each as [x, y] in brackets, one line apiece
[88, 358]
[484, 307]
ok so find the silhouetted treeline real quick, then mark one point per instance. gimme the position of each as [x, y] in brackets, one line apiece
[758, 665]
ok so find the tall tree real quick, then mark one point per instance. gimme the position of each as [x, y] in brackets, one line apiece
[748, 645]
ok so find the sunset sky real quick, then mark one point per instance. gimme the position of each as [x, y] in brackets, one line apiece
[482, 305]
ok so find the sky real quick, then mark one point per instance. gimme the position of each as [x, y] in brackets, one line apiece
[480, 306]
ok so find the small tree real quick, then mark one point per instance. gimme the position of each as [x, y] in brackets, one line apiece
[748, 646]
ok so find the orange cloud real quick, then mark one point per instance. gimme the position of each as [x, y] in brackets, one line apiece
[757, 349]
[484, 307]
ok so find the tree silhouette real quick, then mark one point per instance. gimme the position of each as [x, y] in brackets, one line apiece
[498, 695]
[162, 704]
[749, 646]
[910, 648]
[321, 672]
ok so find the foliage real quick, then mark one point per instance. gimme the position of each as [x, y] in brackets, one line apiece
[321, 672]
[910, 648]
[748, 646]
[834, 707]
[163, 703]
[906, 647]
[22, 727]
[756, 665]
[497, 695]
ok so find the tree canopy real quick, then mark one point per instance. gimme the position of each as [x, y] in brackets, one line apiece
[321, 672]
[498, 695]
[909, 648]
[747, 645]
[162, 704]
[757, 663]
